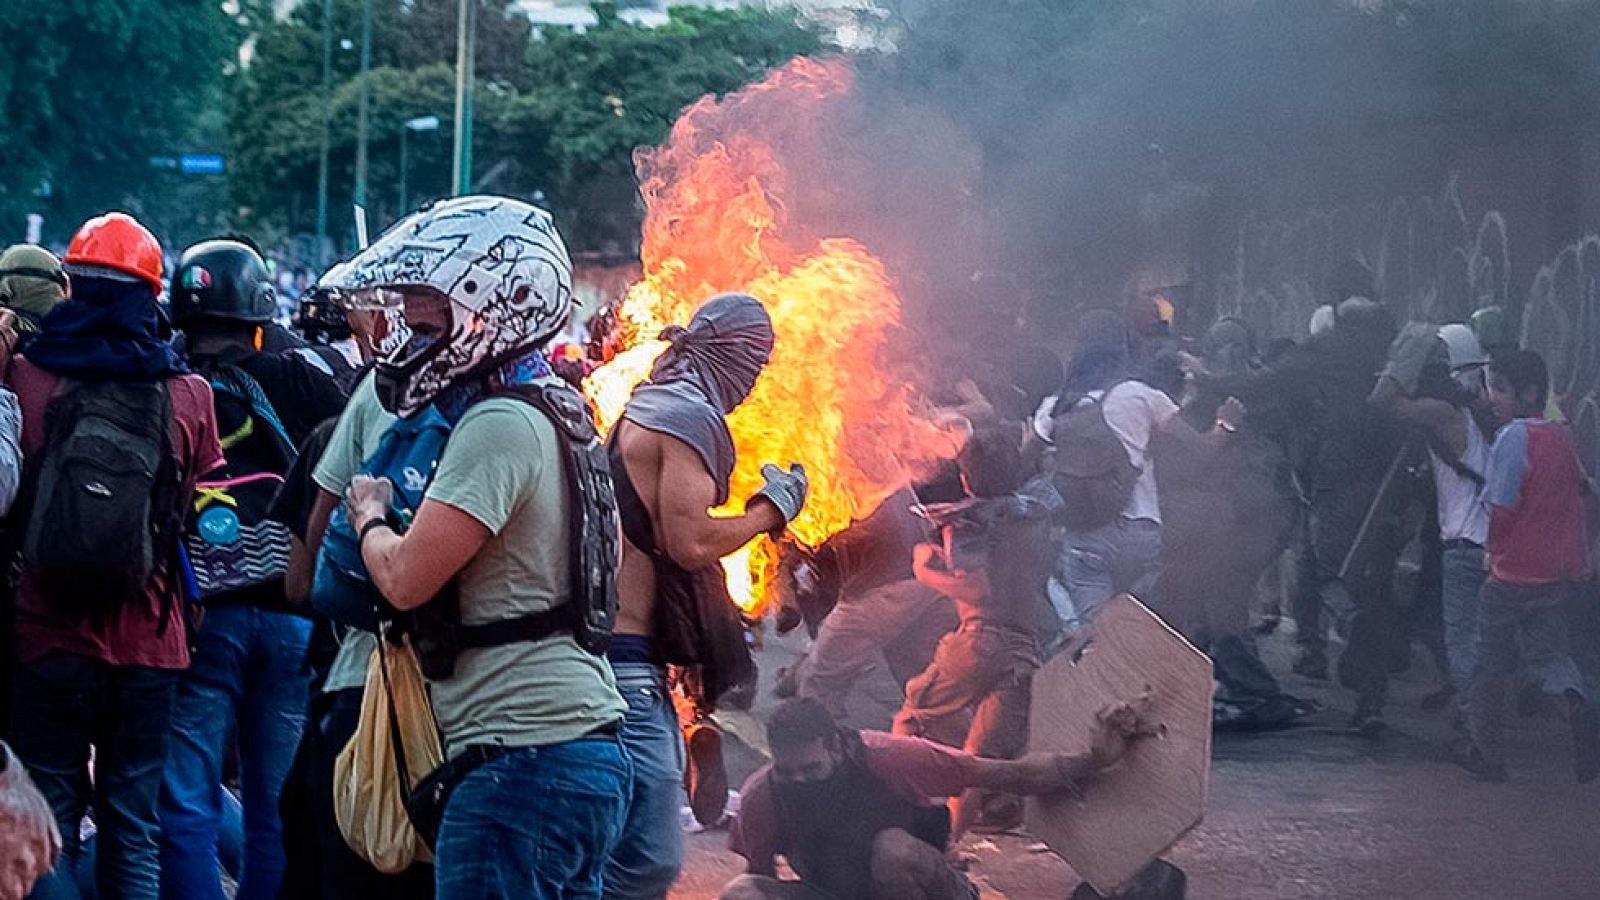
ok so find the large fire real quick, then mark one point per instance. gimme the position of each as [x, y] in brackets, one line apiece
[716, 221]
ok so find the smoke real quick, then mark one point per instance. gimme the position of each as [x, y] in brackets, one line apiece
[1014, 162]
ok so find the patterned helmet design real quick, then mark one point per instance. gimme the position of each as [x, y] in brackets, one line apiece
[501, 264]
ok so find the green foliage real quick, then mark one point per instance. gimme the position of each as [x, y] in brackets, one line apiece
[558, 113]
[91, 89]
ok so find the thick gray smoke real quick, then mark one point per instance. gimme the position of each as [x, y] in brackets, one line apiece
[1018, 160]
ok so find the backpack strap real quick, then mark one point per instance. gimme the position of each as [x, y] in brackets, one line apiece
[241, 384]
[595, 546]
[1456, 464]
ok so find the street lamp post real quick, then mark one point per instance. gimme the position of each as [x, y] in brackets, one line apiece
[327, 112]
[420, 123]
[466, 41]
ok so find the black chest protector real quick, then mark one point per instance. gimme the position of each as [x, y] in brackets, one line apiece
[591, 612]
[827, 830]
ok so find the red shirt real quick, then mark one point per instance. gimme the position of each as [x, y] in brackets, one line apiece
[135, 636]
[917, 769]
[1535, 489]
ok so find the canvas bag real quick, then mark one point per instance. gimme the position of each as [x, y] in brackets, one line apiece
[369, 790]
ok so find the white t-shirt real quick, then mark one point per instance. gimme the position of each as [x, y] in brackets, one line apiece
[1134, 410]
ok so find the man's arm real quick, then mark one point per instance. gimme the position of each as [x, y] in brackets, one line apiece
[1116, 727]
[1436, 418]
[929, 566]
[303, 555]
[411, 570]
[684, 495]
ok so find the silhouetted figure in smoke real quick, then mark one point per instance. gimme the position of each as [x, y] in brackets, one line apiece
[1314, 399]
[1228, 510]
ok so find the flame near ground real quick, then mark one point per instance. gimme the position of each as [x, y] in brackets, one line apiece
[831, 397]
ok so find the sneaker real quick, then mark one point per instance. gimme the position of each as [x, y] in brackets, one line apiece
[1311, 664]
[707, 775]
[1585, 742]
[1473, 761]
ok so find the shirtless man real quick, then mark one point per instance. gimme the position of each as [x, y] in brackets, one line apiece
[672, 457]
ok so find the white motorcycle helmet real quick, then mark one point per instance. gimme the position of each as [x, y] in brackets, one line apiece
[502, 267]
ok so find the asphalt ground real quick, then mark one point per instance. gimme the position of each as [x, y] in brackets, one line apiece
[1308, 812]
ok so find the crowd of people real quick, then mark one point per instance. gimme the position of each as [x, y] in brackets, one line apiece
[232, 548]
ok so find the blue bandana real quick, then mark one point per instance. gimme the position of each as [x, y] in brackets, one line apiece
[453, 401]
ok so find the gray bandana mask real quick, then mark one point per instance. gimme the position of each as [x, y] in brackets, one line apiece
[710, 368]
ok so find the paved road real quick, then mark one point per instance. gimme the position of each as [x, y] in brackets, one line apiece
[1312, 813]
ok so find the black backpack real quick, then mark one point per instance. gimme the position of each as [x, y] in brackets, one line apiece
[106, 495]
[232, 543]
[437, 631]
[1091, 470]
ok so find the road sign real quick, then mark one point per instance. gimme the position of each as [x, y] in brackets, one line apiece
[200, 164]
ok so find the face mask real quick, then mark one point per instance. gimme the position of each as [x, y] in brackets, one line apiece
[395, 372]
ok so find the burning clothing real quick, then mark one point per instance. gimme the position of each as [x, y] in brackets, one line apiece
[710, 368]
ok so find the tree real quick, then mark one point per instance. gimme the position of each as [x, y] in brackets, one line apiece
[90, 91]
[557, 115]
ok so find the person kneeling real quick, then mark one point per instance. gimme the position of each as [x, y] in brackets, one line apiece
[856, 815]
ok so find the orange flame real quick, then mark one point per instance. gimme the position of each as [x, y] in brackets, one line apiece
[715, 221]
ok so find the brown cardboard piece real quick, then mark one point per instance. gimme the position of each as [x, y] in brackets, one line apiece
[1136, 810]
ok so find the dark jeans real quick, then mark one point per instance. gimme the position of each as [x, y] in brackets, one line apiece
[1361, 603]
[248, 673]
[538, 823]
[1522, 625]
[61, 706]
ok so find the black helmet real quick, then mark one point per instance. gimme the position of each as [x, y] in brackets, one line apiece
[222, 280]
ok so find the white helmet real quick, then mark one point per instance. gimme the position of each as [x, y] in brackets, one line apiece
[504, 269]
[1462, 346]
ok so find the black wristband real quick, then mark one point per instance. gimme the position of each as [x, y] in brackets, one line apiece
[361, 536]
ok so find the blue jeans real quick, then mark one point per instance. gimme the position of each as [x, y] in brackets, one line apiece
[1463, 574]
[650, 853]
[61, 705]
[538, 823]
[1098, 564]
[248, 673]
[1526, 624]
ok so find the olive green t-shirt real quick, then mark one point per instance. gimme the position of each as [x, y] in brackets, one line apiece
[503, 467]
[354, 438]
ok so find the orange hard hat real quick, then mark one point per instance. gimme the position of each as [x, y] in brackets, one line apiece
[117, 241]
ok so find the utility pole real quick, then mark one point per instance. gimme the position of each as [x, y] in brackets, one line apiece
[327, 114]
[420, 123]
[361, 110]
[466, 41]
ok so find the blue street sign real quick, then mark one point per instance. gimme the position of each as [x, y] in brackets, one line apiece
[200, 164]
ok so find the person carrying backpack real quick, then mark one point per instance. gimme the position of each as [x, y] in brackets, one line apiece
[476, 546]
[248, 674]
[116, 433]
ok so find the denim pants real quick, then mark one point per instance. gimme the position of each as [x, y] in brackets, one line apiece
[1463, 575]
[647, 858]
[62, 705]
[1098, 564]
[538, 823]
[248, 675]
[1518, 623]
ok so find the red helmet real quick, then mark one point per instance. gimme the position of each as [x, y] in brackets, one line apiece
[117, 241]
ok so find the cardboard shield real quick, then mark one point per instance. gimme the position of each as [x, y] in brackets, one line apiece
[1136, 810]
